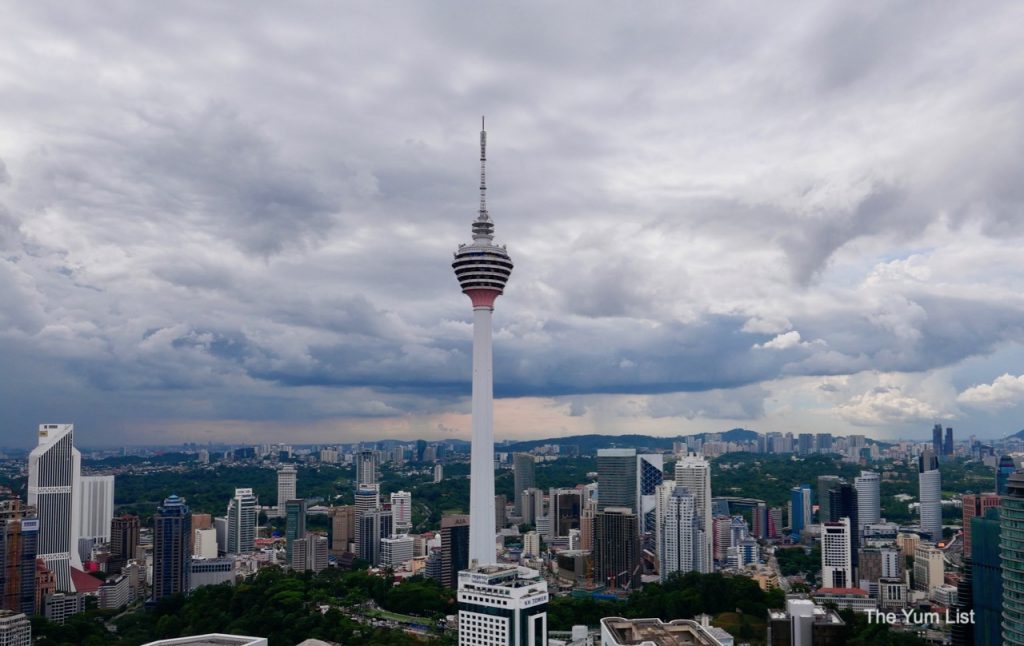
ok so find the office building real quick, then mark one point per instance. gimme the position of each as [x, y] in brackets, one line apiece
[649, 474]
[617, 631]
[800, 506]
[937, 440]
[1011, 551]
[681, 536]
[124, 539]
[532, 506]
[844, 502]
[824, 442]
[986, 578]
[805, 444]
[172, 527]
[804, 623]
[869, 508]
[531, 545]
[15, 629]
[212, 571]
[500, 512]
[565, 508]
[309, 554]
[115, 593]
[438, 473]
[341, 532]
[397, 550]
[97, 501]
[204, 542]
[200, 521]
[455, 530]
[975, 505]
[523, 478]
[825, 484]
[930, 498]
[19, 542]
[502, 605]
[694, 473]
[287, 484]
[1004, 470]
[54, 487]
[367, 463]
[929, 568]
[616, 479]
[295, 525]
[373, 526]
[947, 446]
[617, 548]
[836, 557]
[401, 511]
[242, 517]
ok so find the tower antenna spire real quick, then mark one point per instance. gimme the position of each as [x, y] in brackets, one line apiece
[483, 171]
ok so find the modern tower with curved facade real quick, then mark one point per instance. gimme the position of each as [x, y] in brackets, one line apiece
[54, 489]
[483, 269]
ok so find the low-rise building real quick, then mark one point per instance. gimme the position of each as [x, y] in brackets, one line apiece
[617, 631]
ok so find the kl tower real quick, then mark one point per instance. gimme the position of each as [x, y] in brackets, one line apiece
[482, 269]
[499, 604]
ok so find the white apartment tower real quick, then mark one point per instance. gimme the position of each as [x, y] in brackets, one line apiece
[97, 500]
[54, 487]
[287, 479]
[694, 473]
[501, 605]
[681, 537]
[930, 488]
[869, 510]
[242, 518]
[836, 558]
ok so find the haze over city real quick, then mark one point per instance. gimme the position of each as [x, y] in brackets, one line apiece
[238, 226]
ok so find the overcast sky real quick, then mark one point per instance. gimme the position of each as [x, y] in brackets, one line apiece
[235, 221]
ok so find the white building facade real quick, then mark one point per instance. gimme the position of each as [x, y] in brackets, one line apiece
[54, 488]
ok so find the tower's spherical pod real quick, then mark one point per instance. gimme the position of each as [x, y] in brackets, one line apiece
[482, 268]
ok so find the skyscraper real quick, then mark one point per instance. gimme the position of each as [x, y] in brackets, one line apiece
[649, 474]
[975, 505]
[1003, 471]
[19, 539]
[373, 526]
[482, 269]
[455, 529]
[172, 558]
[836, 557]
[498, 604]
[844, 502]
[616, 549]
[242, 517]
[869, 510]
[287, 480]
[986, 579]
[937, 440]
[124, 537]
[825, 483]
[401, 510]
[800, 504]
[1011, 551]
[693, 472]
[616, 478]
[947, 446]
[97, 500]
[523, 477]
[930, 494]
[366, 467]
[681, 536]
[342, 530]
[54, 486]
[295, 525]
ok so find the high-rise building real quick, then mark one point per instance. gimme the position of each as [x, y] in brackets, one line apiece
[342, 530]
[649, 474]
[662, 500]
[438, 473]
[617, 548]
[616, 478]
[19, 540]
[800, 516]
[367, 498]
[396, 550]
[1004, 470]
[930, 494]
[869, 509]
[975, 505]
[15, 629]
[844, 502]
[497, 604]
[774, 522]
[825, 483]
[1011, 551]
[694, 472]
[172, 558]
[367, 462]
[54, 486]
[242, 517]
[287, 481]
[455, 529]
[803, 623]
[836, 557]
[947, 446]
[681, 536]
[373, 526]
[805, 444]
[309, 553]
[97, 500]
[565, 508]
[824, 441]
[401, 511]
[295, 525]
[200, 521]
[937, 440]
[124, 539]
[523, 477]
[204, 542]
[929, 568]
[986, 579]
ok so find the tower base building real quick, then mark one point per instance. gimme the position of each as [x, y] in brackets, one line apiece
[502, 605]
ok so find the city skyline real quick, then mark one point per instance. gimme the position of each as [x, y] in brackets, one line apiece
[800, 223]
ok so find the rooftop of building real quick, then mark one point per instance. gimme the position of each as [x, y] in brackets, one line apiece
[211, 639]
[860, 592]
[681, 632]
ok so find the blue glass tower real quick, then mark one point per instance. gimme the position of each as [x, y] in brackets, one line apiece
[172, 558]
[800, 499]
[1003, 471]
[986, 579]
[1011, 554]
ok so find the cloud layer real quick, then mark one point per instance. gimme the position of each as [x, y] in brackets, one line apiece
[230, 222]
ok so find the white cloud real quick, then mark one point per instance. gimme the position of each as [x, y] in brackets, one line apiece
[888, 406]
[1005, 392]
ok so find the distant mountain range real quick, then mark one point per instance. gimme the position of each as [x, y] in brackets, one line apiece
[589, 443]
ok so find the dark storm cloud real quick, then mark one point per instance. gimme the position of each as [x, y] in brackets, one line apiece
[250, 213]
